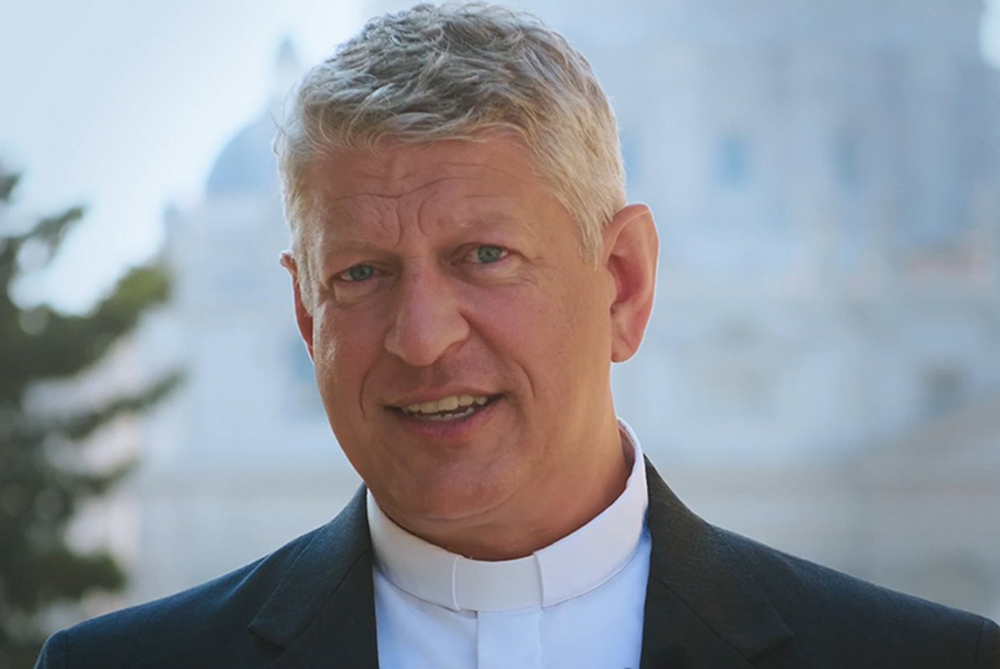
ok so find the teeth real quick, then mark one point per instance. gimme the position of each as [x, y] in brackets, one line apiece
[450, 416]
[449, 403]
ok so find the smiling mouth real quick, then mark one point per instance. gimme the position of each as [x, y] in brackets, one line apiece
[453, 407]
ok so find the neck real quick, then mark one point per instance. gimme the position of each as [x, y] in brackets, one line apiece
[560, 503]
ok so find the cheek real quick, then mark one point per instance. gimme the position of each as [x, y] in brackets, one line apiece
[513, 318]
[584, 330]
[342, 349]
[550, 331]
[326, 346]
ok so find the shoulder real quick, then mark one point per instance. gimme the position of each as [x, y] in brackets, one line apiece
[185, 629]
[830, 610]
[761, 600]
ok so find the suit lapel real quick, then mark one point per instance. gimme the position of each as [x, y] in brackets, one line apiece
[323, 611]
[703, 608]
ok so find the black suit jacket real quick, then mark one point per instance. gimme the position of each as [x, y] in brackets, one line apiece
[715, 600]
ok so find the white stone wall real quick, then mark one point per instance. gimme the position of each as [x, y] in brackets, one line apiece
[822, 177]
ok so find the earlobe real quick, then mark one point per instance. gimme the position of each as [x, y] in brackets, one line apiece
[303, 317]
[631, 247]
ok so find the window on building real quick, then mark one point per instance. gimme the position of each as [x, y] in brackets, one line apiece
[733, 163]
[847, 160]
[943, 389]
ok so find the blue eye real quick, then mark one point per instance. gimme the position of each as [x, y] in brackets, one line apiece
[490, 254]
[357, 273]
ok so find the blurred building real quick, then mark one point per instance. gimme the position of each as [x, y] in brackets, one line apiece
[822, 371]
[242, 458]
[822, 365]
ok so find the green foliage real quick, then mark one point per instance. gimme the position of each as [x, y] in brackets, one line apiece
[43, 480]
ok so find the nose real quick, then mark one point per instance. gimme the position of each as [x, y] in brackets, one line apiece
[427, 320]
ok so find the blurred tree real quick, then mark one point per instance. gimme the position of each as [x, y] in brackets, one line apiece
[43, 479]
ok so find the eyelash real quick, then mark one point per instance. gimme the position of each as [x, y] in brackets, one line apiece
[503, 252]
[345, 276]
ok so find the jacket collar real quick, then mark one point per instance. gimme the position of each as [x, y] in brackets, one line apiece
[323, 611]
[703, 608]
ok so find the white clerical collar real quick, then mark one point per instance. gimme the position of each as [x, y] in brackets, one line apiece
[572, 566]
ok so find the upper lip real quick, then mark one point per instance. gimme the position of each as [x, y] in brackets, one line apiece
[421, 396]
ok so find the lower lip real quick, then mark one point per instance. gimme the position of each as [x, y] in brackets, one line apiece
[448, 429]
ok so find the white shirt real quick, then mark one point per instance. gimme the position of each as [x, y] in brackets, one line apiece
[577, 603]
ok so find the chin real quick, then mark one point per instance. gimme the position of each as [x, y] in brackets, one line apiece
[448, 502]
[446, 505]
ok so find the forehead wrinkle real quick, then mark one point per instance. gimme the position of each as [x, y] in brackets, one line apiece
[378, 200]
[432, 216]
[360, 225]
[399, 168]
[452, 210]
[397, 189]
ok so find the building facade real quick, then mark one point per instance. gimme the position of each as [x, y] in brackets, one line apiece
[825, 348]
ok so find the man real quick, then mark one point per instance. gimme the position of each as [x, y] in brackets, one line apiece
[465, 269]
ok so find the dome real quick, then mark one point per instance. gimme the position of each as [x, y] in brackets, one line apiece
[247, 164]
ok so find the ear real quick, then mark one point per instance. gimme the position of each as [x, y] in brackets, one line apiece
[631, 247]
[302, 315]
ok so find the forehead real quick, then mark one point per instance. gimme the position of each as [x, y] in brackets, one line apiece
[396, 168]
[445, 180]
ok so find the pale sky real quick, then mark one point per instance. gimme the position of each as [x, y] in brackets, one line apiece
[123, 104]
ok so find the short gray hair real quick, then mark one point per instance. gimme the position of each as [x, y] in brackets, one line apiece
[457, 71]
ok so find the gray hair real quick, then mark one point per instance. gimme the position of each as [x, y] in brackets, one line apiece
[458, 71]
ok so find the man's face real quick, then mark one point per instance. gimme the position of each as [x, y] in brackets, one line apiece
[462, 344]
